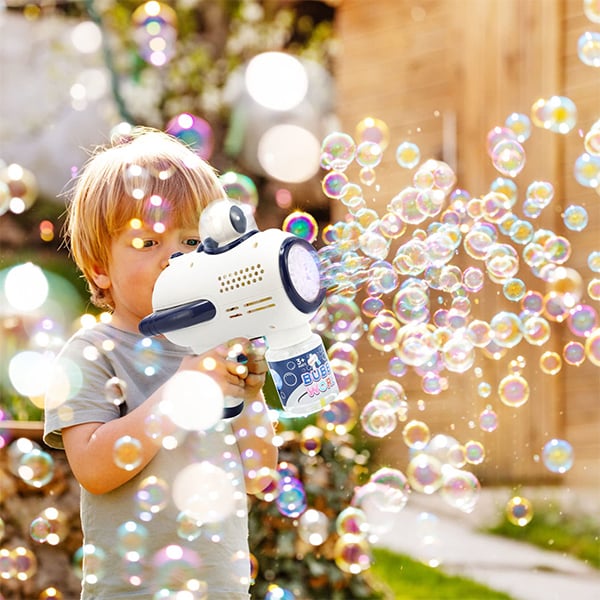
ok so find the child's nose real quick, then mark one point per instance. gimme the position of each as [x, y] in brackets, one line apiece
[167, 256]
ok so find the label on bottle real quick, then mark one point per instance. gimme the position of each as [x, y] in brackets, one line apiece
[305, 382]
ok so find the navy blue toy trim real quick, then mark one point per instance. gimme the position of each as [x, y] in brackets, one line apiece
[298, 301]
[178, 317]
[209, 248]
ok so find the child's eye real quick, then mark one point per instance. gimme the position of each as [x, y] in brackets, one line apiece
[140, 243]
[191, 242]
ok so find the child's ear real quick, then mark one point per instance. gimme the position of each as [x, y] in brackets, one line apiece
[100, 277]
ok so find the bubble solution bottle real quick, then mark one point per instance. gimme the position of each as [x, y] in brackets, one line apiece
[301, 371]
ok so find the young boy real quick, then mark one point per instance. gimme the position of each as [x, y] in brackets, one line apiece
[133, 206]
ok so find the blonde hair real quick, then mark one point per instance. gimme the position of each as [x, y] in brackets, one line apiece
[148, 175]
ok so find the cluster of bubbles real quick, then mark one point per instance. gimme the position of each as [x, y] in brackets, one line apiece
[154, 26]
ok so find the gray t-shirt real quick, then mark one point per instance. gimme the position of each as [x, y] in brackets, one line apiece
[135, 536]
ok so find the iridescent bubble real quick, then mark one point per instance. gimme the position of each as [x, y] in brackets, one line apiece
[372, 306]
[521, 232]
[587, 170]
[351, 520]
[411, 304]
[474, 452]
[267, 481]
[311, 440]
[567, 284]
[408, 155]
[411, 258]
[501, 262]
[115, 391]
[339, 416]
[554, 307]
[342, 320]
[152, 495]
[416, 345]
[550, 362]
[193, 131]
[458, 353]
[53, 524]
[148, 353]
[588, 48]
[204, 491]
[446, 449]
[383, 332]
[39, 529]
[378, 418]
[373, 244]
[36, 468]
[392, 226]
[591, 8]
[155, 31]
[582, 320]
[514, 289]
[407, 207]
[574, 353]
[369, 154]
[460, 489]
[591, 142]
[592, 347]
[533, 302]
[557, 456]
[291, 497]
[313, 527]
[479, 240]
[575, 218]
[333, 184]
[132, 539]
[416, 434]
[559, 114]
[174, 570]
[380, 503]
[508, 157]
[346, 376]
[513, 390]
[25, 563]
[338, 150]
[473, 279]
[352, 554]
[373, 130]
[301, 224]
[536, 330]
[479, 333]
[497, 135]
[593, 289]
[520, 124]
[26, 287]
[396, 482]
[392, 393]
[519, 511]
[127, 453]
[240, 187]
[94, 558]
[22, 187]
[397, 367]
[488, 420]
[593, 261]
[424, 473]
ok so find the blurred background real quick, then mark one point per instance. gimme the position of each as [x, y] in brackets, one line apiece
[442, 155]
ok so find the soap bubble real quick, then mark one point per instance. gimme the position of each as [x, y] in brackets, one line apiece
[378, 418]
[115, 391]
[591, 141]
[132, 539]
[574, 353]
[587, 170]
[351, 520]
[338, 150]
[291, 497]
[39, 529]
[575, 217]
[204, 491]
[519, 511]
[275, 592]
[313, 527]
[592, 347]
[507, 329]
[339, 416]
[127, 453]
[513, 390]
[175, 569]
[520, 124]
[424, 473]
[408, 155]
[94, 559]
[488, 420]
[155, 31]
[508, 157]
[311, 440]
[474, 452]
[301, 224]
[36, 468]
[460, 489]
[194, 132]
[368, 154]
[373, 130]
[582, 320]
[26, 287]
[557, 455]
[352, 554]
[333, 184]
[240, 187]
[25, 563]
[416, 434]
[152, 495]
[588, 48]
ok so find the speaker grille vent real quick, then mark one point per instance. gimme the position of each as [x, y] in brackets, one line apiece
[243, 277]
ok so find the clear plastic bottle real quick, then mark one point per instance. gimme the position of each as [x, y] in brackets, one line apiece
[302, 374]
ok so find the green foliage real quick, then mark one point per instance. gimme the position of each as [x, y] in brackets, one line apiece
[407, 579]
[553, 529]
[284, 558]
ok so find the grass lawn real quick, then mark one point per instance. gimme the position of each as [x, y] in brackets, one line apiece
[577, 536]
[406, 579]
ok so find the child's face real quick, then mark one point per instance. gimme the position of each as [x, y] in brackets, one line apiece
[137, 257]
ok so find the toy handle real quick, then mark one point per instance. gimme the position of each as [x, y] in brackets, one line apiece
[177, 317]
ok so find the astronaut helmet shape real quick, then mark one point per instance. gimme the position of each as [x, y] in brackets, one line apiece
[224, 223]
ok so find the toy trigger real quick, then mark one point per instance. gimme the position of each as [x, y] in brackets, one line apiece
[177, 317]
